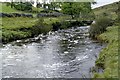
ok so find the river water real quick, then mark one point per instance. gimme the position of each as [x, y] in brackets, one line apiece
[62, 54]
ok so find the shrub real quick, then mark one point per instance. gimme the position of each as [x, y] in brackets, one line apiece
[8, 4]
[45, 11]
[36, 29]
[56, 26]
[65, 25]
[23, 6]
[40, 27]
[100, 26]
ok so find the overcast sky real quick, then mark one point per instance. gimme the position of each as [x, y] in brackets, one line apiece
[103, 2]
[99, 2]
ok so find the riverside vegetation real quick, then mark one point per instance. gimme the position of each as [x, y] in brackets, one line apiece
[108, 58]
[14, 28]
[20, 28]
[105, 30]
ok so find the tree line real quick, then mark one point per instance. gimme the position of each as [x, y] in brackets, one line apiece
[75, 9]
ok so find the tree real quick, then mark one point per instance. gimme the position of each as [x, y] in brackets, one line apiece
[76, 8]
[38, 5]
[118, 12]
[12, 4]
[54, 5]
[27, 6]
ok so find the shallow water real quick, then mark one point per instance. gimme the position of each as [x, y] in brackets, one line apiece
[61, 54]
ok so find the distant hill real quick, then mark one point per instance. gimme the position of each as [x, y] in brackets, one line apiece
[107, 10]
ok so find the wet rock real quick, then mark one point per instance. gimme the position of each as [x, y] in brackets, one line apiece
[7, 77]
[87, 49]
[18, 41]
[75, 41]
[91, 50]
[66, 52]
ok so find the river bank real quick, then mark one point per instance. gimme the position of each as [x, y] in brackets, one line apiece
[20, 28]
[17, 28]
[108, 58]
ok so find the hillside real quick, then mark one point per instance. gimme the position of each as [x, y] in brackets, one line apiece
[107, 10]
[108, 58]
[8, 9]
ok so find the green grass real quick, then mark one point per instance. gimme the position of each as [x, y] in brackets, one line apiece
[16, 28]
[19, 27]
[107, 9]
[51, 20]
[8, 9]
[20, 22]
[17, 23]
[34, 9]
[109, 55]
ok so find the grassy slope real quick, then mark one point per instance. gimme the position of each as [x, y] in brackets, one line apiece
[109, 55]
[19, 27]
[8, 9]
[17, 23]
[109, 9]
[13, 28]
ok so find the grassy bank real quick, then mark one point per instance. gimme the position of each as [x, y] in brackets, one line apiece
[20, 27]
[16, 28]
[108, 58]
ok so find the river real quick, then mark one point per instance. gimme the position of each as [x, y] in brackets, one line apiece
[66, 53]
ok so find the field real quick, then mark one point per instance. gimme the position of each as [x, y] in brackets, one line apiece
[107, 10]
[108, 58]
[13, 28]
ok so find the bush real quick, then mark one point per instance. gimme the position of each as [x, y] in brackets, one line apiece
[56, 26]
[45, 11]
[100, 26]
[23, 6]
[40, 27]
[65, 25]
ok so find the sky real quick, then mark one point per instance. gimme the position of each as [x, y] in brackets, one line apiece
[99, 2]
[103, 2]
